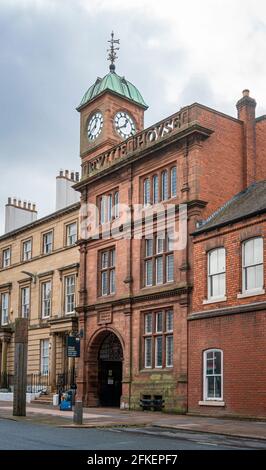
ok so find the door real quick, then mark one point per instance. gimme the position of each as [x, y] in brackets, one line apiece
[110, 371]
[110, 382]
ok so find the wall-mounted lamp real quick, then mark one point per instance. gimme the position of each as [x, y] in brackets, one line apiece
[31, 275]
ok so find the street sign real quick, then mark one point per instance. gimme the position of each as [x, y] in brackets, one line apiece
[73, 346]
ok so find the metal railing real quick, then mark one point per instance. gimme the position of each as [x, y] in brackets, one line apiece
[36, 382]
[66, 381]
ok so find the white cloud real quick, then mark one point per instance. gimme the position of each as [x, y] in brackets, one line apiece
[176, 52]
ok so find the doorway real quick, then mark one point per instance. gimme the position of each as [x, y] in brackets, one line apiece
[110, 371]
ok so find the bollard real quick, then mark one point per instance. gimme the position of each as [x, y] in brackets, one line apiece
[78, 413]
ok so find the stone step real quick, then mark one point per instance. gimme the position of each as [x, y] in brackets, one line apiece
[44, 399]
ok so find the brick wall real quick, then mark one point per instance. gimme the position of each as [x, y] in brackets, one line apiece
[240, 333]
[242, 339]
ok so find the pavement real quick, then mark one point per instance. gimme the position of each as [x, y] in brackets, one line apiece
[114, 417]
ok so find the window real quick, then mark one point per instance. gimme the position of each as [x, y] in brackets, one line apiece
[4, 308]
[216, 273]
[70, 288]
[164, 185]
[158, 260]
[173, 182]
[155, 189]
[47, 243]
[116, 207]
[160, 186]
[46, 288]
[26, 250]
[107, 272]
[253, 265]
[109, 207]
[213, 374]
[44, 356]
[25, 302]
[6, 261]
[158, 339]
[146, 192]
[71, 234]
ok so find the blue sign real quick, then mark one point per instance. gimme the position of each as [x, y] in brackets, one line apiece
[73, 346]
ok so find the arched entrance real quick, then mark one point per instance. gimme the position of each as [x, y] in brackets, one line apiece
[110, 364]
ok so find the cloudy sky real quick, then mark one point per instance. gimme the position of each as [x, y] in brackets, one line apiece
[175, 52]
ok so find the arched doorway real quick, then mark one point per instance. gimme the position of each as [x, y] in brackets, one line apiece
[110, 364]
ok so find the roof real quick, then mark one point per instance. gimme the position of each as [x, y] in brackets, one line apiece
[116, 84]
[249, 202]
[41, 221]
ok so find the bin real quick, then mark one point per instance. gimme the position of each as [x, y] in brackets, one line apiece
[56, 399]
[66, 401]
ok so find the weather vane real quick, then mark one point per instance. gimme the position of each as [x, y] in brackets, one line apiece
[112, 56]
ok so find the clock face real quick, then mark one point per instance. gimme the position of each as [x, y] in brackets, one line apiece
[95, 126]
[124, 124]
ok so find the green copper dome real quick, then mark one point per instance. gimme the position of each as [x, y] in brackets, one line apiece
[116, 84]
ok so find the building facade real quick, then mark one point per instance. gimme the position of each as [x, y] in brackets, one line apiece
[39, 281]
[135, 293]
[227, 324]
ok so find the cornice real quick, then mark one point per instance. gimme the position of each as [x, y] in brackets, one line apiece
[221, 312]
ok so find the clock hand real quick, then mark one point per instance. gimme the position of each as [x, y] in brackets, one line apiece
[124, 125]
[94, 127]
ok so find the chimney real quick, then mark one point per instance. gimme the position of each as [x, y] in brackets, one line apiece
[17, 214]
[246, 112]
[65, 194]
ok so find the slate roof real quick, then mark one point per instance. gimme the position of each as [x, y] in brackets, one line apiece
[249, 202]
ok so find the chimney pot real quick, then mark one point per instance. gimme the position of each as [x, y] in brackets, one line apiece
[61, 173]
[25, 204]
[245, 92]
[77, 176]
[14, 201]
[19, 203]
[29, 206]
[34, 207]
[72, 176]
[66, 173]
[9, 201]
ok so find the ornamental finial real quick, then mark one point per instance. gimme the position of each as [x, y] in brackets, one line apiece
[112, 56]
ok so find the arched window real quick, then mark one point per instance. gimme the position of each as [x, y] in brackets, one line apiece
[146, 192]
[213, 374]
[216, 274]
[155, 188]
[252, 265]
[116, 205]
[164, 185]
[173, 182]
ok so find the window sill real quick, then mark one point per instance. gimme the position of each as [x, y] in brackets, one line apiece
[214, 300]
[250, 293]
[212, 403]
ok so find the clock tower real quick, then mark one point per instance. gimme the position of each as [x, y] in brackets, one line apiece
[111, 110]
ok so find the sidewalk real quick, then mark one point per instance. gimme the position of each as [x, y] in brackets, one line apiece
[109, 417]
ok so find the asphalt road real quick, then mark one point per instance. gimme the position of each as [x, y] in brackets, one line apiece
[27, 436]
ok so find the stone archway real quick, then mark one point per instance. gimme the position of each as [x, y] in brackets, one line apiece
[105, 366]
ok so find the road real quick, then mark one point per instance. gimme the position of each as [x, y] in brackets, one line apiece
[27, 436]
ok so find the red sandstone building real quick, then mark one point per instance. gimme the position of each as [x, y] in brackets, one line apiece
[227, 326]
[135, 294]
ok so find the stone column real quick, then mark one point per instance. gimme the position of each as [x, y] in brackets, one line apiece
[20, 366]
[53, 363]
[5, 340]
[126, 401]
[4, 356]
